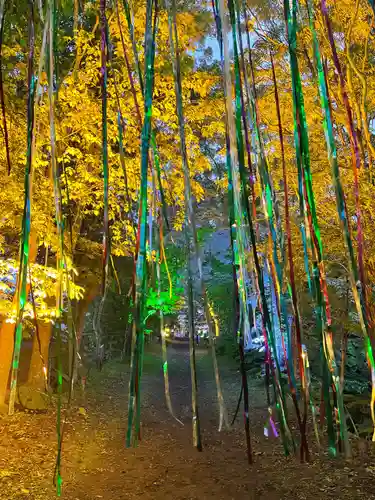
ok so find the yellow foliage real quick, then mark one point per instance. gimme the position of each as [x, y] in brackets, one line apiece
[79, 141]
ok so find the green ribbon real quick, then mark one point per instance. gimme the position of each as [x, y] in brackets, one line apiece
[26, 220]
[140, 78]
[340, 197]
[2, 100]
[278, 387]
[104, 76]
[190, 227]
[307, 201]
[237, 238]
[141, 267]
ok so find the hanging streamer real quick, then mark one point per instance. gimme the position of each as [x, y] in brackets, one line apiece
[292, 384]
[239, 266]
[159, 260]
[103, 72]
[2, 100]
[190, 216]
[304, 176]
[120, 128]
[189, 225]
[57, 195]
[52, 78]
[141, 269]
[134, 93]
[281, 406]
[236, 214]
[129, 20]
[239, 91]
[340, 197]
[308, 209]
[355, 151]
[276, 240]
[21, 291]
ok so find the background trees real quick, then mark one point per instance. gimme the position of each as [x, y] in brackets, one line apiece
[78, 134]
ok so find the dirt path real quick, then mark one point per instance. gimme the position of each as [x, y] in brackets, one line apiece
[96, 464]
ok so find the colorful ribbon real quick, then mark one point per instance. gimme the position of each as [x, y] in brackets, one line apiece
[141, 268]
[21, 292]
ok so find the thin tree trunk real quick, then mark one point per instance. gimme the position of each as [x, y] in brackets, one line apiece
[6, 354]
[39, 356]
[81, 310]
[79, 323]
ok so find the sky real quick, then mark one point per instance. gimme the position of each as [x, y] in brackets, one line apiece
[211, 42]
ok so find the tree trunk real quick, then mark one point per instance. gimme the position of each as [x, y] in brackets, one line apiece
[37, 375]
[81, 310]
[79, 318]
[6, 355]
[7, 334]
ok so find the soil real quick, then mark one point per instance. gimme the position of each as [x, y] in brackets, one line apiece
[97, 465]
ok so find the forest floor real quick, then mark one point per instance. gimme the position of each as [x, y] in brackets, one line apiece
[96, 464]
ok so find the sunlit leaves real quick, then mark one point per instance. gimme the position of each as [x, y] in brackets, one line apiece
[43, 281]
